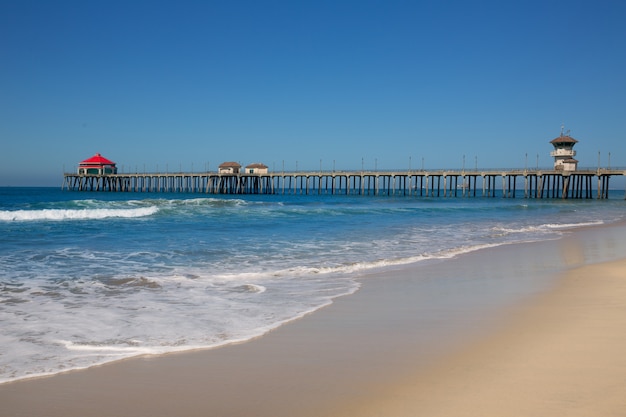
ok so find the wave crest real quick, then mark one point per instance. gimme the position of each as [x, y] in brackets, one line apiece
[74, 214]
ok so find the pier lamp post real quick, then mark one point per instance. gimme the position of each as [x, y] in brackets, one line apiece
[476, 163]
[598, 160]
[320, 166]
[333, 165]
[609, 161]
[526, 162]
[537, 162]
[463, 163]
[375, 164]
[422, 164]
[409, 164]
[362, 164]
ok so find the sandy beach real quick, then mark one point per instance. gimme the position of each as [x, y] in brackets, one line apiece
[561, 355]
[461, 337]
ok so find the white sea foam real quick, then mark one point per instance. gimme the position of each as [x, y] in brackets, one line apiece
[104, 349]
[75, 324]
[547, 227]
[573, 225]
[72, 214]
[355, 267]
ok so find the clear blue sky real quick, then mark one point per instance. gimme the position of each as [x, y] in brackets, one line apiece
[184, 84]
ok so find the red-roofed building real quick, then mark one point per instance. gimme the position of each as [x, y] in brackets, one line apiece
[97, 165]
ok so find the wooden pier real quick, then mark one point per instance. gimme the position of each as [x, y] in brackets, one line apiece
[441, 183]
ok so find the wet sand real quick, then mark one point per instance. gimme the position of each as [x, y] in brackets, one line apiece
[517, 330]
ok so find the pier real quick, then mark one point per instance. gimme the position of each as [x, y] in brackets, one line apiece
[579, 184]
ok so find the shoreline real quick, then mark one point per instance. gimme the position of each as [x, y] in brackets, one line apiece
[375, 273]
[374, 350]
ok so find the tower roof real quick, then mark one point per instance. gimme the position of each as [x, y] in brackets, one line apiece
[98, 159]
[563, 139]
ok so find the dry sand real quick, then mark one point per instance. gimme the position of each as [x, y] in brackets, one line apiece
[564, 354]
[447, 339]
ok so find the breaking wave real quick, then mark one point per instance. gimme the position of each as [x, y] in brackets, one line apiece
[73, 214]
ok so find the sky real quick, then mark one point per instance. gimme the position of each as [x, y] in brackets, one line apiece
[187, 85]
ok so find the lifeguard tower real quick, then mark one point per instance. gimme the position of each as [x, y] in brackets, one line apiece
[564, 152]
[97, 165]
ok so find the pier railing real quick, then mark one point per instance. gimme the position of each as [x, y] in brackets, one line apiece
[527, 183]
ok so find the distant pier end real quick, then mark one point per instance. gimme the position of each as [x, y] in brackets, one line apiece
[97, 165]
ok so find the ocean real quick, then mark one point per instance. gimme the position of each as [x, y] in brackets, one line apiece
[88, 278]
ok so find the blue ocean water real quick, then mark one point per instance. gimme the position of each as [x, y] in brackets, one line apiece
[88, 278]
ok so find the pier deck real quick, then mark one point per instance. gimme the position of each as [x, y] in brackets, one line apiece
[441, 183]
